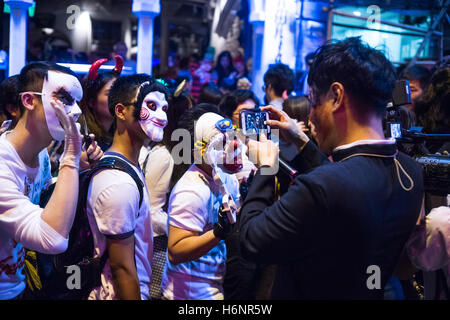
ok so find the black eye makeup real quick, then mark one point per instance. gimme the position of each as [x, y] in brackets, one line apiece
[151, 105]
[65, 97]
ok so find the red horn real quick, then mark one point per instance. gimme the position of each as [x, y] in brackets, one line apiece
[119, 64]
[93, 71]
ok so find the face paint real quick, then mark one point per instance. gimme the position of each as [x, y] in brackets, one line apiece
[153, 117]
[65, 88]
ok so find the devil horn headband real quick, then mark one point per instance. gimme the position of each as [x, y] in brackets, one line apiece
[93, 71]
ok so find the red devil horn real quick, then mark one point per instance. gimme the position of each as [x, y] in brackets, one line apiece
[119, 64]
[93, 71]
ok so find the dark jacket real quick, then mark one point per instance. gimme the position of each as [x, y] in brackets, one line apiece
[336, 220]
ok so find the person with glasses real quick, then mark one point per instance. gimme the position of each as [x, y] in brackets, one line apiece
[117, 209]
[339, 230]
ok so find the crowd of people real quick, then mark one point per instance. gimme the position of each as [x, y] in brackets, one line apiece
[156, 182]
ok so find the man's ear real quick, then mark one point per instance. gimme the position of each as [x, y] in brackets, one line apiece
[120, 110]
[337, 92]
[27, 100]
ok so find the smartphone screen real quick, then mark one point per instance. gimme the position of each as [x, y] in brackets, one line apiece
[396, 131]
[252, 122]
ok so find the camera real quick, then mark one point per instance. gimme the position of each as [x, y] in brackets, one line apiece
[436, 168]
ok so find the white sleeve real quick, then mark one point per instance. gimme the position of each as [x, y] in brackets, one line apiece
[115, 209]
[429, 246]
[21, 220]
[187, 210]
[158, 173]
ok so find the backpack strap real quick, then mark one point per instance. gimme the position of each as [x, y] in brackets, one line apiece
[109, 163]
[122, 165]
[117, 164]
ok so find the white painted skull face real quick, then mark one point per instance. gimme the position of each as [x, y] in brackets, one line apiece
[65, 88]
[153, 117]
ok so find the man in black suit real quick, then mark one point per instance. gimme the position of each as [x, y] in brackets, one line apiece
[340, 229]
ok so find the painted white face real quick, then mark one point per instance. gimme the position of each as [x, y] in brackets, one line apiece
[65, 88]
[153, 117]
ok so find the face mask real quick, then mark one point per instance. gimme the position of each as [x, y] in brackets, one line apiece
[153, 117]
[225, 152]
[67, 89]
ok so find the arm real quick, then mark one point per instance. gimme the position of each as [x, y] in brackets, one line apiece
[184, 245]
[429, 246]
[158, 172]
[309, 157]
[123, 268]
[21, 220]
[187, 218]
[65, 194]
[115, 206]
[277, 232]
[309, 154]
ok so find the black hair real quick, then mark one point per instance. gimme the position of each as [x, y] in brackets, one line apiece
[366, 74]
[32, 76]
[145, 88]
[432, 107]
[9, 95]
[297, 108]
[125, 89]
[177, 107]
[188, 119]
[232, 100]
[210, 93]
[416, 72]
[309, 58]
[91, 89]
[280, 77]
[221, 72]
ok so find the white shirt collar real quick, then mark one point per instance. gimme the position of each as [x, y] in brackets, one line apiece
[360, 142]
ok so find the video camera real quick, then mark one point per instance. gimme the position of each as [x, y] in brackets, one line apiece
[436, 168]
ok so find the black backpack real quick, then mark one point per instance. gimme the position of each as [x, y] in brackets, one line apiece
[50, 279]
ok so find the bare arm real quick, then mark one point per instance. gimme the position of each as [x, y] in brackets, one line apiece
[60, 210]
[123, 268]
[185, 245]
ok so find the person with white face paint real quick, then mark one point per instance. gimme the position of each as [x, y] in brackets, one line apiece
[197, 222]
[48, 94]
[120, 222]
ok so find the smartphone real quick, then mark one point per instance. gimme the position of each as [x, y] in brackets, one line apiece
[253, 122]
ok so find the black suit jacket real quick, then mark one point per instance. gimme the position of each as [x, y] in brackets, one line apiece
[337, 220]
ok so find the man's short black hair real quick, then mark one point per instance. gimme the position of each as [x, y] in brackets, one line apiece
[231, 101]
[280, 77]
[190, 117]
[416, 72]
[32, 76]
[365, 73]
[125, 89]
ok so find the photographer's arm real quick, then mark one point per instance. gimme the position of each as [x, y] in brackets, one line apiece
[276, 232]
[309, 155]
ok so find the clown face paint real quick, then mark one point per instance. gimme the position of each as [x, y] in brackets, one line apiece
[153, 117]
[65, 88]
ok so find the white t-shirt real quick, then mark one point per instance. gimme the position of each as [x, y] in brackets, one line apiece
[193, 205]
[113, 211]
[158, 172]
[21, 225]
